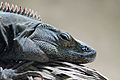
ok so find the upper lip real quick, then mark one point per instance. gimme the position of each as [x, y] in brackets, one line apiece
[92, 53]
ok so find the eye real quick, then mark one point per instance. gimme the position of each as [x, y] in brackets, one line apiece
[65, 36]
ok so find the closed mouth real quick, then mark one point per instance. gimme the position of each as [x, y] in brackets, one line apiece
[89, 57]
[83, 58]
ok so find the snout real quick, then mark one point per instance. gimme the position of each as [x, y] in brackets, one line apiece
[88, 54]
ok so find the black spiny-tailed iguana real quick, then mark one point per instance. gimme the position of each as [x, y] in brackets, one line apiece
[23, 36]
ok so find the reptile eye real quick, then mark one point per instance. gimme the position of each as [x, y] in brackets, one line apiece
[65, 36]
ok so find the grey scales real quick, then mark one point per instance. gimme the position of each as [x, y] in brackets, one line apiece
[23, 36]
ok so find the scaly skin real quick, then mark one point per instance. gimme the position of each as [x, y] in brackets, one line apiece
[24, 37]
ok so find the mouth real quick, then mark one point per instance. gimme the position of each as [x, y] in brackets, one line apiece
[82, 58]
[88, 56]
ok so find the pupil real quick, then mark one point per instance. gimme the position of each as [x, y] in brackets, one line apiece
[63, 37]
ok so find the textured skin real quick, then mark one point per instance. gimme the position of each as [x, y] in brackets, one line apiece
[25, 38]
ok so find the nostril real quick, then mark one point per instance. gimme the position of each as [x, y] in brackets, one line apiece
[86, 49]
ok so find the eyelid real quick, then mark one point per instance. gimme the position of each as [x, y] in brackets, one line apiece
[64, 35]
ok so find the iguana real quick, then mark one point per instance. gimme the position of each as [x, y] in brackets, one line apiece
[23, 36]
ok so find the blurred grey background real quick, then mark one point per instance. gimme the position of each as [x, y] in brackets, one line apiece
[95, 22]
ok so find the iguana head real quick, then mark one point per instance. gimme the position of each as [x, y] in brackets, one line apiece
[43, 42]
[61, 46]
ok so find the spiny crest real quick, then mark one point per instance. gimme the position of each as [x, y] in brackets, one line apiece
[19, 10]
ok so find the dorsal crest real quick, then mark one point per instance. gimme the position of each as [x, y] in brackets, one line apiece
[5, 7]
